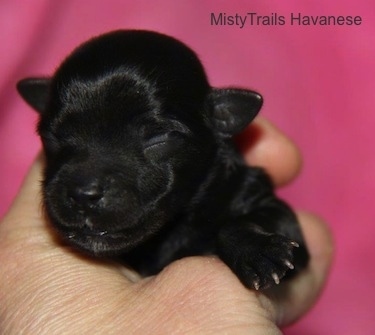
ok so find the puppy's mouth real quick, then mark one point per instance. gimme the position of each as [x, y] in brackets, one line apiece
[103, 241]
[97, 242]
[89, 233]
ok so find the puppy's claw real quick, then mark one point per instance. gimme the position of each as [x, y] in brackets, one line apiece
[256, 285]
[289, 264]
[276, 278]
[294, 244]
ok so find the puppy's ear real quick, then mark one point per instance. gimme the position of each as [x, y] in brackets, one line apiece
[233, 109]
[35, 92]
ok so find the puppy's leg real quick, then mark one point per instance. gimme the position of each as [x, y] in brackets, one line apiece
[263, 246]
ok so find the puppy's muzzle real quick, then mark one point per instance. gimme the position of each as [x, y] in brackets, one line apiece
[87, 197]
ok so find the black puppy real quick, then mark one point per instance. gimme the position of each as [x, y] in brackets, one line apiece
[140, 161]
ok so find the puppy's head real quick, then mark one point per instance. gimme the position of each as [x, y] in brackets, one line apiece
[131, 129]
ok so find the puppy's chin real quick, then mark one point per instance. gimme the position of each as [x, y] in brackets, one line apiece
[100, 244]
[104, 243]
[105, 235]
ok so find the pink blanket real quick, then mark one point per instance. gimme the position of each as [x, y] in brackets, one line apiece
[317, 81]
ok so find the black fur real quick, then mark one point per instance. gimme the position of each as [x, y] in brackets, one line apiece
[140, 161]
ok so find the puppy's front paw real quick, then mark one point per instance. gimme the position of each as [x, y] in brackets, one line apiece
[263, 261]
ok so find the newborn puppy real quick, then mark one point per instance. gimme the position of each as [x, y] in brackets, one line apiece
[141, 165]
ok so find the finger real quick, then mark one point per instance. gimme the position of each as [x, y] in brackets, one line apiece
[292, 299]
[264, 145]
[27, 206]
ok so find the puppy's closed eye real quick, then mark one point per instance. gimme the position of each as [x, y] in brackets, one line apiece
[163, 143]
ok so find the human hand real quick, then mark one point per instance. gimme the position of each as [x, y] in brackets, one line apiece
[48, 288]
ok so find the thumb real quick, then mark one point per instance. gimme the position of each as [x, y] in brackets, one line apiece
[29, 195]
[26, 212]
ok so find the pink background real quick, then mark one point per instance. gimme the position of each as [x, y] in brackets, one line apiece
[318, 85]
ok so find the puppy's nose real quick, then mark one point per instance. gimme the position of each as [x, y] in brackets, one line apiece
[86, 195]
